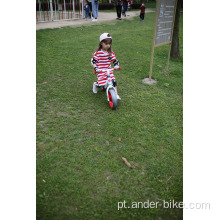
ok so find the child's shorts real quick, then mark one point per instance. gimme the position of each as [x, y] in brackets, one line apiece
[102, 77]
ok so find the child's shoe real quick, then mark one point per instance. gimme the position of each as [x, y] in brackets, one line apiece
[95, 89]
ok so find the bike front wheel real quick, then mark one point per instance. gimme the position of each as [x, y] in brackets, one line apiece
[113, 102]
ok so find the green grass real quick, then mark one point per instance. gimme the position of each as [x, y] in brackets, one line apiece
[80, 173]
[150, 4]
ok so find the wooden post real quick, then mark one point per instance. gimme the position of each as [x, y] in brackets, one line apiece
[151, 61]
[168, 60]
[153, 44]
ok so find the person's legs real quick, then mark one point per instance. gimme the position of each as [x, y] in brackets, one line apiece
[125, 8]
[95, 5]
[141, 16]
[97, 8]
[87, 15]
[119, 7]
[117, 10]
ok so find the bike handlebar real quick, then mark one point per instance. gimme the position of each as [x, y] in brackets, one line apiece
[104, 70]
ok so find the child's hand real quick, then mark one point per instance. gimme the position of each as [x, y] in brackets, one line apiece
[116, 67]
[97, 69]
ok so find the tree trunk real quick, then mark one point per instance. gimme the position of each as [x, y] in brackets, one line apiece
[175, 53]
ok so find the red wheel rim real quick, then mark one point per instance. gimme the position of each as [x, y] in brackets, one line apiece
[110, 100]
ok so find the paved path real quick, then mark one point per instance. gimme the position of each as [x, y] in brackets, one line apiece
[103, 17]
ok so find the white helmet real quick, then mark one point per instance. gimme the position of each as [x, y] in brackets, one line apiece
[105, 36]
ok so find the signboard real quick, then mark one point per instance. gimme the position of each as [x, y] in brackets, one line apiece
[163, 29]
[164, 23]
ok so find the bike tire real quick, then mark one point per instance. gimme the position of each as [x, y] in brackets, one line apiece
[113, 102]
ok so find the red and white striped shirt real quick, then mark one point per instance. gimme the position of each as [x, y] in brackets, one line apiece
[104, 62]
[104, 59]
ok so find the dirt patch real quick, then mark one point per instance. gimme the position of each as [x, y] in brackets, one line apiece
[149, 82]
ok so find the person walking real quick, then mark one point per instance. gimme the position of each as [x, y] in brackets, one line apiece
[95, 8]
[142, 12]
[118, 5]
[125, 7]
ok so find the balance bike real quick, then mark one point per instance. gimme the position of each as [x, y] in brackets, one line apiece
[110, 89]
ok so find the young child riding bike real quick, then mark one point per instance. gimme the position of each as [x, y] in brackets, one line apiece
[102, 59]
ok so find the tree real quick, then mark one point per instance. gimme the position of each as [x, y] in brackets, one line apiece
[175, 41]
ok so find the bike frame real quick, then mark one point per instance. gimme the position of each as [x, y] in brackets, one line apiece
[109, 84]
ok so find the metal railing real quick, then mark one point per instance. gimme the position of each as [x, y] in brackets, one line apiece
[55, 10]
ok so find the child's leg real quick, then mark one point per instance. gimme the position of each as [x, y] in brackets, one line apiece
[140, 16]
[115, 86]
[95, 88]
[118, 97]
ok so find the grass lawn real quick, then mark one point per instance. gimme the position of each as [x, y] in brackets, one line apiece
[80, 140]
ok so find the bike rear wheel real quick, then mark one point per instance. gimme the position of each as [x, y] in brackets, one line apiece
[113, 102]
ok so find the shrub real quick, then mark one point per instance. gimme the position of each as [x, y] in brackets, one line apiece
[136, 6]
[106, 6]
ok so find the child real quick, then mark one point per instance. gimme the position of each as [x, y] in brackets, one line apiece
[102, 59]
[87, 10]
[142, 12]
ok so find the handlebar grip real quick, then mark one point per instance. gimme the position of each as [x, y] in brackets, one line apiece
[117, 69]
[98, 72]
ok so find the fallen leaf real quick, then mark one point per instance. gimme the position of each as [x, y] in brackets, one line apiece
[136, 165]
[44, 181]
[44, 82]
[119, 139]
[169, 178]
[126, 162]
